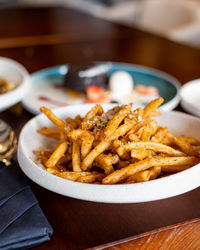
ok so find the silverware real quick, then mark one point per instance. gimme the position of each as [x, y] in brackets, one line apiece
[8, 143]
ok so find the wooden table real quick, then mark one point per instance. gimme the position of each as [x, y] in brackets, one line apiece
[44, 37]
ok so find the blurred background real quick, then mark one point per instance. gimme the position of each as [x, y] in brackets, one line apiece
[178, 20]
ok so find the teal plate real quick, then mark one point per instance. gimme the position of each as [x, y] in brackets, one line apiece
[45, 90]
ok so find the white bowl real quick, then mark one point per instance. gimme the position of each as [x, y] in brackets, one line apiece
[30, 140]
[11, 70]
[190, 97]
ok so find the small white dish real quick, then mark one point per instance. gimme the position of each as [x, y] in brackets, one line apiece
[13, 71]
[178, 123]
[190, 97]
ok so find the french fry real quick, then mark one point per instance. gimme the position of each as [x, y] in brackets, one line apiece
[76, 176]
[149, 130]
[57, 154]
[190, 140]
[100, 148]
[126, 156]
[50, 132]
[133, 137]
[123, 129]
[58, 122]
[174, 169]
[141, 154]
[91, 178]
[159, 135]
[87, 140]
[115, 159]
[196, 148]
[116, 143]
[145, 175]
[185, 146]
[155, 172]
[106, 162]
[72, 122]
[76, 157]
[117, 119]
[122, 164]
[65, 160]
[138, 177]
[43, 155]
[168, 139]
[152, 106]
[140, 132]
[138, 113]
[92, 117]
[125, 172]
[157, 147]
[72, 176]
[139, 125]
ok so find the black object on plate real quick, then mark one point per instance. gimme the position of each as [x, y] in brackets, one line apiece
[80, 77]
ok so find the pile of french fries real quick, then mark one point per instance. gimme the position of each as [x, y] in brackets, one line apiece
[119, 146]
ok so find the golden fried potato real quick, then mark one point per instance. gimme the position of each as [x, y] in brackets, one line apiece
[125, 172]
[57, 154]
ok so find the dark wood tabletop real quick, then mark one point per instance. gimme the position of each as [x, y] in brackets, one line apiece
[42, 37]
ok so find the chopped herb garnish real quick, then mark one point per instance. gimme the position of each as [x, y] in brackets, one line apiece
[137, 121]
[137, 145]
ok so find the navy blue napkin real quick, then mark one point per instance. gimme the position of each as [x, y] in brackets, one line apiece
[22, 222]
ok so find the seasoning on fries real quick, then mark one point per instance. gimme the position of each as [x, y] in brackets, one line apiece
[119, 146]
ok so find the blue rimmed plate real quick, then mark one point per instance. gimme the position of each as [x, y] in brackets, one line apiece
[46, 89]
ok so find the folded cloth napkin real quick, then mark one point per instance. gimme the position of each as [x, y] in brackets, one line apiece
[22, 222]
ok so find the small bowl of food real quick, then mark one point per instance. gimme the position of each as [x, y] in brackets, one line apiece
[113, 154]
[14, 82]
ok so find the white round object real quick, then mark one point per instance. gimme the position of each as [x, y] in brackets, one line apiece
[11, 70]
[120, 85]
[178, 123]
[190, 97]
